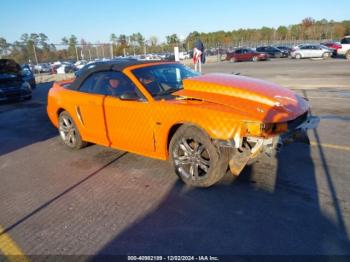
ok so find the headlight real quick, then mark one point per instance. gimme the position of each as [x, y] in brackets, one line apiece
[253, 128]
[26, 86]
[264, 129]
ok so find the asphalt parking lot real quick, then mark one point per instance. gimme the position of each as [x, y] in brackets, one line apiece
[54, 200]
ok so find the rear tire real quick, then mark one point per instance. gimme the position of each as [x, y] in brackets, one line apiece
[325, 55]
[347, 55]
[195, 159]
[255, 59]
[233, 60]
[69, 132]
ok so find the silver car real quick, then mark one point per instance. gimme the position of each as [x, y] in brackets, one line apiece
[311, 51]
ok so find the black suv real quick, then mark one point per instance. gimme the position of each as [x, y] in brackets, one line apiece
[12, 84]
[272, 51]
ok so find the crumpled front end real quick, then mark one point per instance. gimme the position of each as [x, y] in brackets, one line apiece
[268, 115]
[251, 147]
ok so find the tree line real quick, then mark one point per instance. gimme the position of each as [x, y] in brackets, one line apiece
[36, 47]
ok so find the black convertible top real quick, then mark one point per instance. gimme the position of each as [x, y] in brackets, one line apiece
[114, 65]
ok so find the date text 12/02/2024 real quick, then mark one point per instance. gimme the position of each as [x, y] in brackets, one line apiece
[173, 258]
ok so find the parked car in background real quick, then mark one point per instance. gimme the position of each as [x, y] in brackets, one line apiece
[272, 51]
[28, 75]
[42, 68]
[66, 68]
[80, 64]
[332, 45]
[184, 55]
[245, 54]
[345, 47]
[12, 84]
[285, 49]
[311, 51]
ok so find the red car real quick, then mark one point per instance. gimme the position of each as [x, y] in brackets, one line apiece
[246, 54]
[332, 45]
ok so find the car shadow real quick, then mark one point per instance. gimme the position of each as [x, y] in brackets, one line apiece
[272, 208]
[251, 215]
[24, 123]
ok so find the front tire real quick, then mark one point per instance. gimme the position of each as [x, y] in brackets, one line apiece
[196, 160]
[69, 132]
[233, 60]
[255, 59]
[298, 56]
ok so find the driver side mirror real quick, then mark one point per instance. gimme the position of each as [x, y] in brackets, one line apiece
[130, 96]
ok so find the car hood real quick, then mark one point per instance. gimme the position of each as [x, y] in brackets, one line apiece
[251, 98]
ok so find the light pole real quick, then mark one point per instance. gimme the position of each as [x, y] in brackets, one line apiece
[76, 52]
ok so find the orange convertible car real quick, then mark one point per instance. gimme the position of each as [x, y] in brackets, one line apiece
[202, 123]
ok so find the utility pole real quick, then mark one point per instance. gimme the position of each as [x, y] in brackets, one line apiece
[103, 52]
[112, 51]
[36, 58]
[96, 52]
[90, 53]
[76, 52]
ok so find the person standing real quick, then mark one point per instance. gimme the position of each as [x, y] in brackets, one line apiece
[198, 55]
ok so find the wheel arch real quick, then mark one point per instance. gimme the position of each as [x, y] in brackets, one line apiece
[59, 111]
[175, 127]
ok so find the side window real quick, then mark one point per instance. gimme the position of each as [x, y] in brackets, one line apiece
[345, 40]
[238, 51]
[89, 83]
[110, 83]
[115, 84]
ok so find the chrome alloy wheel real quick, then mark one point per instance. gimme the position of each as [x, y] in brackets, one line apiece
[191, 159]
[67, 131]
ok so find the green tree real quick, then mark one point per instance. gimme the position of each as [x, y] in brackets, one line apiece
[64, 41]
[72, 43]
[282, 32]
[172, 39]
[4, 46]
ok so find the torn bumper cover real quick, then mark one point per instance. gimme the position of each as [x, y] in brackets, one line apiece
[251, 147]
[295, 134]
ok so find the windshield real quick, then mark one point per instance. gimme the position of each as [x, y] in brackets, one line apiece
[164, 79]
[9, 67]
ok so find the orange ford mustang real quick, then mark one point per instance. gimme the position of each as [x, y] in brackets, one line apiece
[202, 123]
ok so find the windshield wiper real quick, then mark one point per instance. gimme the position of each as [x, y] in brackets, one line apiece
[169, 91]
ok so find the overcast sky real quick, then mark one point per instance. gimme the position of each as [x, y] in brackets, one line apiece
[96, 20]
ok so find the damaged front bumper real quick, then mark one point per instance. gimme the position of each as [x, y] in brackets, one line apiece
[250, 147]
[297, 134]
[273, 145]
